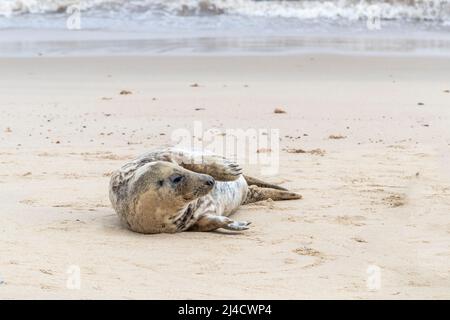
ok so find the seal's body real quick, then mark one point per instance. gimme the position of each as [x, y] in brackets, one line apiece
[173, 190]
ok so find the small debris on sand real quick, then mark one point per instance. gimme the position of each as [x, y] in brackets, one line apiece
[296, 151]
[195, 85]
[8, 130]
[26, 174]
[357, 239]
[264, 150]
[318, 152]
[125, 92]
[420, 103]
[107, 98]
[198, 109]
[46, 271]
[336, 136]
[447, 91]
[279, 110]
[305, 251]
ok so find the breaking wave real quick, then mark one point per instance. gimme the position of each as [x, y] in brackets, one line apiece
[408, 10]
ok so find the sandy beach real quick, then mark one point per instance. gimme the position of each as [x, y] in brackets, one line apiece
[376, 196]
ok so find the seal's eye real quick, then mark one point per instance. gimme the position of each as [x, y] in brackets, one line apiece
[176, 178]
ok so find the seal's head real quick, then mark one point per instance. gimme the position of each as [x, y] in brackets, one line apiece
[158, 192]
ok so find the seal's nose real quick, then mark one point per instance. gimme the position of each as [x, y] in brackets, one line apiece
[210, 181]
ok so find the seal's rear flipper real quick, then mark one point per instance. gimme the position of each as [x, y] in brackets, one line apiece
[256, 193]
[254, 181]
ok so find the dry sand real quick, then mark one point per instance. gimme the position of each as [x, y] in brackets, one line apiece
[379, 195]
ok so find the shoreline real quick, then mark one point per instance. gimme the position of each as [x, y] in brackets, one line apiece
[98, 43]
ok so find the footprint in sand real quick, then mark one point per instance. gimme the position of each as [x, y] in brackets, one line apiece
[88, 156]
[29, 202]
[267, 204]
[47, 154]
[310, 252]
[350, 220]
[395, 200]
[64, 225]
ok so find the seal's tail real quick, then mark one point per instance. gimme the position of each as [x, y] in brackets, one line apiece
[254, 181]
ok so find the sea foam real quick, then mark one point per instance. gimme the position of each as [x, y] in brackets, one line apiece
[419, 10]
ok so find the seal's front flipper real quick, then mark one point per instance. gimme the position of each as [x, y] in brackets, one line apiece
[216, 166]
[237, 225]
[219, 168]
[209, 222]
[256, 193]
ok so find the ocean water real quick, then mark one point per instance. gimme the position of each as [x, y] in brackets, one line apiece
[76, 27]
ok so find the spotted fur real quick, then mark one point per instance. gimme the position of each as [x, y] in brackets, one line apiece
[171, 190]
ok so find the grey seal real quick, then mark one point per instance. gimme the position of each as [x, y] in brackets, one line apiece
[171, 190]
